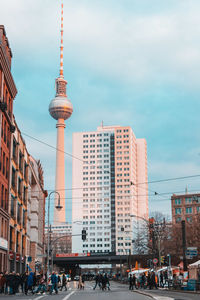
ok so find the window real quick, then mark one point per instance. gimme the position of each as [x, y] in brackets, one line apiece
[178, 201]
[188, 200]
[178, 220]
[189, 219]
[188, 210]
[178, 211]
[12, 205]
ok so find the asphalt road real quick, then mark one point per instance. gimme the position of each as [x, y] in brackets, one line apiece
[174, 295]
[118, 292]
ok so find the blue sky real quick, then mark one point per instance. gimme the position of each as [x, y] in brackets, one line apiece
[127, 62]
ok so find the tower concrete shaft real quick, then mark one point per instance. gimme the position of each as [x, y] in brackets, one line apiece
[60, 109]
[59, 216]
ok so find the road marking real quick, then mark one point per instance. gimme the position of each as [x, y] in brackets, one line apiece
[37, 298]
[67, 297]
[162, 298]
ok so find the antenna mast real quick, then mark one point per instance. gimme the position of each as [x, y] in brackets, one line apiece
[61, 45]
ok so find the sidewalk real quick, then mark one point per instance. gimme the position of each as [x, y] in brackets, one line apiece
[156, 297]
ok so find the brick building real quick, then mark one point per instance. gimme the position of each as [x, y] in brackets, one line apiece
[185, 207]
[18, 202]
[8, 92]
[27, 207]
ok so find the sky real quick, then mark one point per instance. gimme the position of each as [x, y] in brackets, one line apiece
[127, 62]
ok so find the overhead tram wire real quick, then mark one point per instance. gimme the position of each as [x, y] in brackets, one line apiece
[71, 155]
[136, 184]
[124, 197]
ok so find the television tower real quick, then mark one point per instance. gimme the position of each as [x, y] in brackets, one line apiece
[60, 109]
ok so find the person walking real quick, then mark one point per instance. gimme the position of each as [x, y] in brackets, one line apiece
[63, 282]
[96, 281]
[30, 283]
[25, 281]
[83, 282]
[2, 282]
[161, 280]
[107, 282]
[80, 282]
[143, 281]
[54, 281]
[130, 282]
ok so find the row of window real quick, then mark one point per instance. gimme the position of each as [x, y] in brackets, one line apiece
[96, 217]
[98, 140]
[3, 228]
[17, 211]
[188, 210]
[5, 132]
[4, 197]
[4, 163]
[188, 200]
[7, 99]
[18, 240]
[122, 130]
[124, 244]
[98, 245]
[93, 135]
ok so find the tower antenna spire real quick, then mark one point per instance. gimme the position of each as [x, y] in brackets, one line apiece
[61, 44]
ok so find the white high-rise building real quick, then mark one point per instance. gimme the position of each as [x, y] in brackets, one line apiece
[107, 166]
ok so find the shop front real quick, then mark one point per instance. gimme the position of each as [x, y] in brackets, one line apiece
[3, 254]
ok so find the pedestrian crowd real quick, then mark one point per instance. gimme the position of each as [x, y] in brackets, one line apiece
[150, 281]
[12, 283]
[102, 281]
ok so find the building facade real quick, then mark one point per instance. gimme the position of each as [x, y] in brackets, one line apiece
[7, 94]
[36, 216]
[60, 238]
[26, 209]
[107, 166]
[185, 207]
[18, 199]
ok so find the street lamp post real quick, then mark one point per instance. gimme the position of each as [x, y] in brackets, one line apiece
[59, 207]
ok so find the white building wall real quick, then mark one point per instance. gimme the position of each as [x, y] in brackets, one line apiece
[91, 188]
[77, 192]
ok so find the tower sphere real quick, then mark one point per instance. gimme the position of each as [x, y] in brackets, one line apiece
[60, 108]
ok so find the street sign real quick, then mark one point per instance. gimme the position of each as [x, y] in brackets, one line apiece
[17, 257]
[42, 255]
[155, 261]
[191, 251]
[11, 255]
[29, 259]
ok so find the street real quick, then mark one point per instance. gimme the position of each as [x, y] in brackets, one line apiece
[118, 292]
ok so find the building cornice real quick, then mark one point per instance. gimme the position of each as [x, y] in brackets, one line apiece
[7, 73]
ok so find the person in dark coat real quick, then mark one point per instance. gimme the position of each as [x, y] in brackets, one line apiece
[130, 282]
[161, 280]
[107, 282]
[96, 281]
[30, 282]
[2, 282]
[64, 282]
[25, 282]
[11, 283]
[54, 281]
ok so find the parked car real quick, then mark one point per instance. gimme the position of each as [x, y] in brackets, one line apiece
[76, 278]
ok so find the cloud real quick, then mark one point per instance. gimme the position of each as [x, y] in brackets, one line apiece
[126, 46]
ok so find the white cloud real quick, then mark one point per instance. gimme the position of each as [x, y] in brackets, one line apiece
[125, 46]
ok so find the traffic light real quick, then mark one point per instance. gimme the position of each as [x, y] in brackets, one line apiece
[83, 234]
[162, 259]
[150, 263]
[166, 261]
